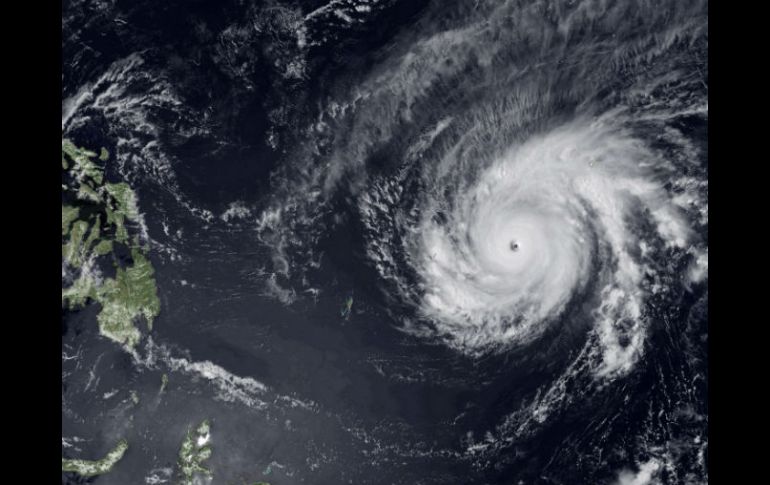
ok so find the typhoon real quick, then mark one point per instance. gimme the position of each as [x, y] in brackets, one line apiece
[522, 165]
[506, 254]
[524, 177]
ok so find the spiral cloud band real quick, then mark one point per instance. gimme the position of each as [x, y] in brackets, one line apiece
[523, 239]
[512, 174]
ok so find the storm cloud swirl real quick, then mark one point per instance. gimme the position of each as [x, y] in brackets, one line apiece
[515, 160]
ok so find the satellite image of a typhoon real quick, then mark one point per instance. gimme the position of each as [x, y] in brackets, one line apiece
[386, 242]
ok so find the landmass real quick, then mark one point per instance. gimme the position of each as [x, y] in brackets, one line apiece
[346, 308]
[96, 218]
[89, 468]
[193, 452]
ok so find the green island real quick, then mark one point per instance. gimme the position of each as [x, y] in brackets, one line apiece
[347, 307]
[193, 452]
[96, 218]
[195, 449]
[90, 468]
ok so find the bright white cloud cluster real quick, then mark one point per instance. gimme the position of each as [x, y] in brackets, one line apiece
[523, 239]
